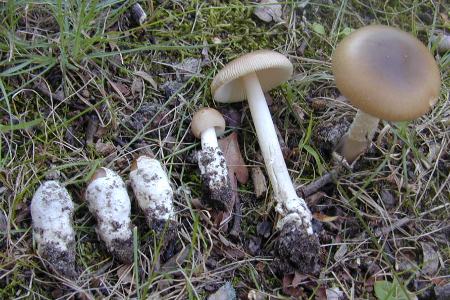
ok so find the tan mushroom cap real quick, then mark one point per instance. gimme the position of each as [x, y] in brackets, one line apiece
[99, 173]
[272, 69]
[206, 118]
[386, 73]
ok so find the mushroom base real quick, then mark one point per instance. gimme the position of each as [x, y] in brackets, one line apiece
[122, 249]
[216, 184]
[61, 261]
[165, 235]
[296, 250]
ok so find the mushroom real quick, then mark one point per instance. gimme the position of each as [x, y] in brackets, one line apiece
[248, 77]
[52, 214]
[207, 124]
[109, 202]
[153, 192]
[387, 74]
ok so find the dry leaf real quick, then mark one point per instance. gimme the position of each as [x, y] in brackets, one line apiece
[324, 218]
[268, 11]
[175, 261]
[125, 274]
[430, 259]
[137, 87]
[334, 294]
[230, 148]
[289, 288]
[147, 77]
[340, 253]
[259, 182]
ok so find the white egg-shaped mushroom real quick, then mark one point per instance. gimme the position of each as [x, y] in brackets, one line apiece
[109, 202]
[52, 215]
[153, 192]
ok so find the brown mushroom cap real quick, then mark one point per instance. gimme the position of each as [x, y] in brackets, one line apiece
[206, 118]
[272, 69]
[386, 73]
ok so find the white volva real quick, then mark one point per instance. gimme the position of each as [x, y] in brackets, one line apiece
[52, 212]
[152, 189]
[109, 202]
[212, 164]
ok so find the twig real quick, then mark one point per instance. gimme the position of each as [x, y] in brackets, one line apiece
[316, 185]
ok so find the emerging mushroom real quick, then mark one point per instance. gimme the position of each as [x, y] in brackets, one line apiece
[387, 74]
[248, 77]
[109, 202]
[207, 124]
[152, 189]
[52, 213]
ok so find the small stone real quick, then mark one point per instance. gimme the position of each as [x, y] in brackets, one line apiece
[269, 10]
[388, 199]
[264, 229]
[226, 292]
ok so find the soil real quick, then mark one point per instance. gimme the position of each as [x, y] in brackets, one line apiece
[327, 135]
[62, 262]
[217, 195]
[123, 250]
[296, 251]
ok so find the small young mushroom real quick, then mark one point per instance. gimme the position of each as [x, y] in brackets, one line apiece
[248, 77]
[207, 124]
[109, 202]
[52, 214]
[152, 189]
[387, 74]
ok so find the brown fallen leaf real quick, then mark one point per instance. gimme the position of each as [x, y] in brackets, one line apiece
[291, 285]
[259, 182]
[147, 77]
[237, 171]
[125, 274]
[324, 218]
[430, 259]
[230, 148]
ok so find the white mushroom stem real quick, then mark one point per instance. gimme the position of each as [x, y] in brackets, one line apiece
[52, 212]
[110, 204]
[359, 136]
[152, 189]
[213, 169]
[209, 138]
[289, 205]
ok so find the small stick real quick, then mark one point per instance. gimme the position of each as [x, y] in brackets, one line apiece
[316, 185]
[91, 128]
[236, 228]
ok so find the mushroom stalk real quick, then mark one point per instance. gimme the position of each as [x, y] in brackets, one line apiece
[290, 206]
[209, 138]
[359, 136]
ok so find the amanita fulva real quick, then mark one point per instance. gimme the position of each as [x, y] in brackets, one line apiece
[207, 124]
[109, 202]
[248, 77]
[387, 74]
[52, 214]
